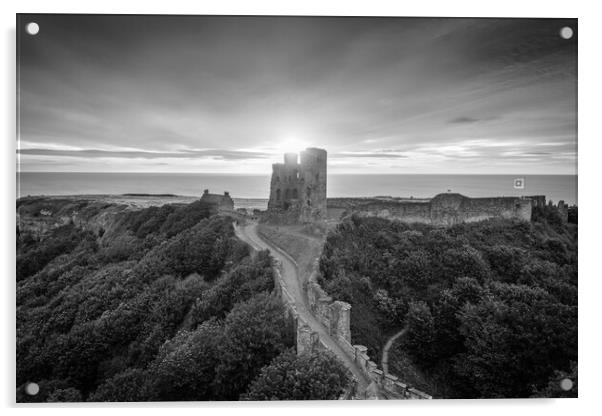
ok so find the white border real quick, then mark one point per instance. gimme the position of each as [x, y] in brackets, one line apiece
[590, 288]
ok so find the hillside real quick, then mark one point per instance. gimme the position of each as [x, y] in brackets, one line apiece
[490, 307]
[162, 303]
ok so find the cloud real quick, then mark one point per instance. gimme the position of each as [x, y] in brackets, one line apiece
[463, 120]
[185, 154]
[230, 90]
[379, 155]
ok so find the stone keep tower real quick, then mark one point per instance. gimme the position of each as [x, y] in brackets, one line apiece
[299, 189]
[313, 184]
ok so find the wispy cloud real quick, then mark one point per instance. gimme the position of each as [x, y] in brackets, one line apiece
[128, 154]
[377, 155]
[462, 120]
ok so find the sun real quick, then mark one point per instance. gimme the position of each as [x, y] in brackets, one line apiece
[290, 144]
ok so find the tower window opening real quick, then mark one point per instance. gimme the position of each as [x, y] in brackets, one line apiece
[295, 195]
[278, 194]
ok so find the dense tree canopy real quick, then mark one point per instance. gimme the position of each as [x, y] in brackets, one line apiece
[311, 376]
[491, 307]
[163, 303]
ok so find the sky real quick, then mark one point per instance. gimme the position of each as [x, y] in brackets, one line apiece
[228, 94]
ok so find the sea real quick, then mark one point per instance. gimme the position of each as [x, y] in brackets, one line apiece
[252, 191]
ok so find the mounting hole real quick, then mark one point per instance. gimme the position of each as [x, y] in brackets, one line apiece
[32, 28]
[566, 32]
[32, 389]
[566, 384]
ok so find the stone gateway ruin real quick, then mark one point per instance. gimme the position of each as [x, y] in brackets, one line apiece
[298, 188]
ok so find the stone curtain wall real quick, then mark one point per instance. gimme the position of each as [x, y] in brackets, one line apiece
[335, 316]
[443, 209]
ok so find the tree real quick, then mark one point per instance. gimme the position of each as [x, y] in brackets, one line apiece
[506, 261]
[65, 395]
[185, 366]
[515, 338]
[561, 384]
[464, 261]
[255, 332]
[251, 276]
[421, 331]
[132, 385]
[310, 376]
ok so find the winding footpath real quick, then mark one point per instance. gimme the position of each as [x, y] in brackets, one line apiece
[388, 345]
[248, 233]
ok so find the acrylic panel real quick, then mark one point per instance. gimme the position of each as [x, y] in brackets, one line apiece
[224, 208]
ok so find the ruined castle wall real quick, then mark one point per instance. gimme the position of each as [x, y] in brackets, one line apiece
[409, 211]
[284, 186]
[336, 318]
[298, 190]
[478, 209]
[443, 210]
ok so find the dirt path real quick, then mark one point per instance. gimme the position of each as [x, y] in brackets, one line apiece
[388, 345]
[248, 233]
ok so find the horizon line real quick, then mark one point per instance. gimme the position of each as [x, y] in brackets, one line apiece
[337, 173]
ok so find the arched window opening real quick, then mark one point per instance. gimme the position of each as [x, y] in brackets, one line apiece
[287, 194]
[278, 194]
[295, 195]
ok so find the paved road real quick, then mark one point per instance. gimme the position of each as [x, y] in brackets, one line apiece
[248, 233]
[385, 360]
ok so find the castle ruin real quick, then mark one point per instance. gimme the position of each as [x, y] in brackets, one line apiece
[298, 188]
[442, 210]
[298, 195]
[223, 203]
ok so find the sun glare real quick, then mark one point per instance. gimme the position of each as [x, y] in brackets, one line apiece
[290, 145]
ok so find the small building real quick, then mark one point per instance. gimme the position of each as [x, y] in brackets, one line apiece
[223, 202]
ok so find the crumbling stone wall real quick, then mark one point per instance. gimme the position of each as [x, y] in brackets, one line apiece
[563, 210]
[336, 317]
[223, 203]
[443, 209]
